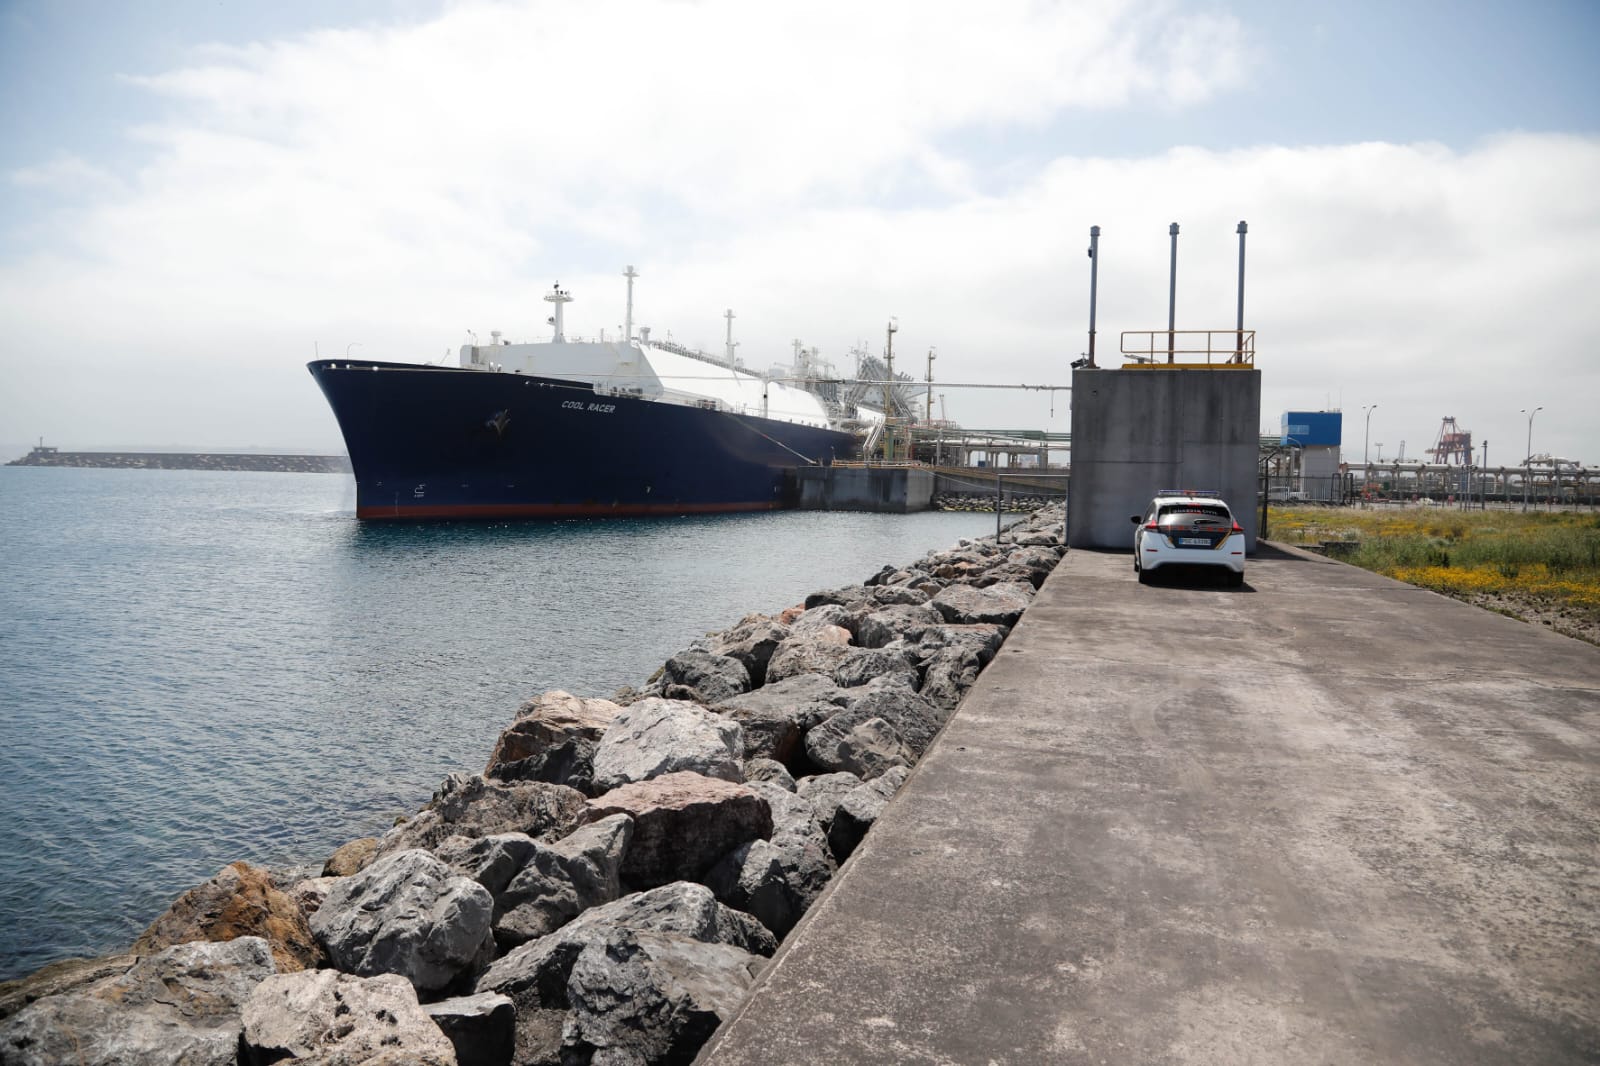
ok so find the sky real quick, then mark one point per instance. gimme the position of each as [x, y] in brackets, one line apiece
[197, 197]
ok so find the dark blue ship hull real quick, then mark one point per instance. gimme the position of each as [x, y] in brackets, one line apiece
[441, 442]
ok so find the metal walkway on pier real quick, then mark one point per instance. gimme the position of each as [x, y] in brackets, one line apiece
[1185, 824]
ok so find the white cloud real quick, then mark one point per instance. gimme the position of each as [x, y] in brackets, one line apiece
[394, 186]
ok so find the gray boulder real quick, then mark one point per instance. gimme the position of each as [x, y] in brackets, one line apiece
[883, 575]
[825, 792]
[1007, 572]
[775, 717]
[535, 974]
[886, 724]
[768, 771]
[983, 639]
[802, 845]
[561, 880]
[777, 880]
[915, 720]
[829, 614]
[482, 1027]
[336, 1018]
[903, 590]
[792, 814]
[656, 736]
[860, 743]
[641, 997]
[961, 566]
[552, 739]
[1037, 560]
[58, 977]
[801, 655]
[863, 665]
[473, 806]
[752, 641]
[682, 824]
[859, 810]
[751, 878]
[908, 578]
[947, 676]
[898, 622]
[1000, 604]
[850, 596]
[309, 894]
[712, 676]
[407, 914]
[492, 861]
[179, 1006]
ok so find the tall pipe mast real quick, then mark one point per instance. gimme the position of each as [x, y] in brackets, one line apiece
[728, 314]
[1094, 278]
[1172, 291]
[627, 321]
[1238, 355]
[931, 358]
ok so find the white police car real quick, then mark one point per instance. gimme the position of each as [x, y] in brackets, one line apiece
[1187, 527]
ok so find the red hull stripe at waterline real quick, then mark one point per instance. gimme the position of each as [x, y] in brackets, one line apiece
[556, 510]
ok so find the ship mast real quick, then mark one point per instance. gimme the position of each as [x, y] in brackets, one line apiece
[728, 314]
[559, 297]
[627, 321]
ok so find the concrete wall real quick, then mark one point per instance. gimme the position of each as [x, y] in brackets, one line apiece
[1319, 472]
[1135, 432]
[892, 489]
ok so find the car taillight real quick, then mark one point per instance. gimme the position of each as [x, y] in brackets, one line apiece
[1151, 526]
[1237, 528]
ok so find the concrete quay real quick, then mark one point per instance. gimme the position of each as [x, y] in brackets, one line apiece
[1326, 818]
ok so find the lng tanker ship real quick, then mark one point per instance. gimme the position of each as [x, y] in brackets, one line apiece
[562, 428]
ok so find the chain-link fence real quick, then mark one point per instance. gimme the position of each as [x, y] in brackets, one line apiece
[1460, 487]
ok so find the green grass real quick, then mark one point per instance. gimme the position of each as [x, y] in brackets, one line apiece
[1548, 558]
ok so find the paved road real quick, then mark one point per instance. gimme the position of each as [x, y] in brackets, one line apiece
[1327, 818]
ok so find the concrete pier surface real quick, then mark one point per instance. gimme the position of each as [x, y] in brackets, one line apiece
[1326, 818]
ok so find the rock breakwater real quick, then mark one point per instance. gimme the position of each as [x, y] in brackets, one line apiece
[606, 890]
[983, 503]
[246, 461]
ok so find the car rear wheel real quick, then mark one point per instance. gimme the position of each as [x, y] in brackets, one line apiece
[1235, 578]
[1144, 575]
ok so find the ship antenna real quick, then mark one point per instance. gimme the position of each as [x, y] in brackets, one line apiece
[627, 322]
[559, 297]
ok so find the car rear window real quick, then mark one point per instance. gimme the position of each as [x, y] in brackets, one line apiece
[1184, 509]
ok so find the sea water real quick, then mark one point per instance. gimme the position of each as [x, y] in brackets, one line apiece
[199, 667]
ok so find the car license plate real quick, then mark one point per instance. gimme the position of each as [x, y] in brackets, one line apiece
[1194, 542]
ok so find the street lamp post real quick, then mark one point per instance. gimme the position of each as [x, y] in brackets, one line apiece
[1527, 464]
[1366, 471]
[1483, 480]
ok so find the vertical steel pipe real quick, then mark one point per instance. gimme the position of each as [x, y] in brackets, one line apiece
[1094, 279]
[1239, 322]
[1172, 291]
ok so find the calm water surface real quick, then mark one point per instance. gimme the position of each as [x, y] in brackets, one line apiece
[199, 667]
